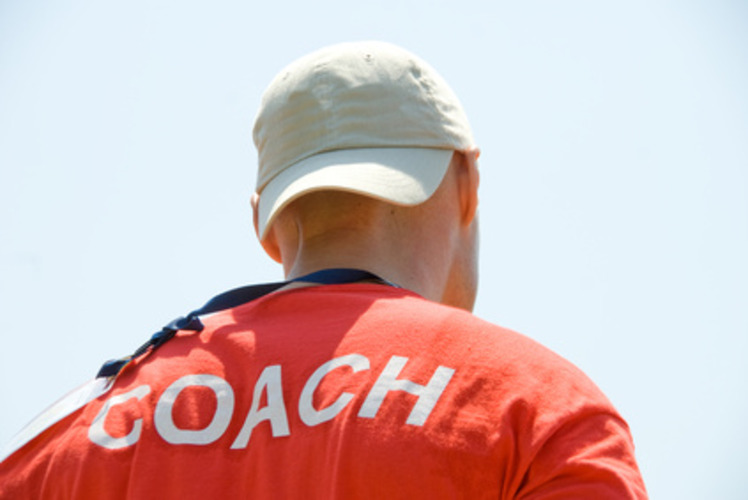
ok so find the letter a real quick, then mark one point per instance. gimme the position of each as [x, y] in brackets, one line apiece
[275, 411]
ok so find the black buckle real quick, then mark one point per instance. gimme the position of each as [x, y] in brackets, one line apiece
[114, 366]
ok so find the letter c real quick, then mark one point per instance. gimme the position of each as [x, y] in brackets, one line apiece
[311, 416]
[98, 435]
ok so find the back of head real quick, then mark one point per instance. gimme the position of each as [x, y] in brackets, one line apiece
[368, 118]
[354, 140]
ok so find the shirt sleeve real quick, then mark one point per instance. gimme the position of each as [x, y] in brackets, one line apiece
[589, 456]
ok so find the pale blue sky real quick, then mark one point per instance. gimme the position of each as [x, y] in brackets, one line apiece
[614, 189]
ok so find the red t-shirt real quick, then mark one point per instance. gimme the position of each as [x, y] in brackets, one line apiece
[340, 391]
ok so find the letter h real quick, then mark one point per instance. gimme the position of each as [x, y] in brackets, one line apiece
[428, 394]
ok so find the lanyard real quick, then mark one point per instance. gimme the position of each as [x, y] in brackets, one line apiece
[103, 382]
[231, 299]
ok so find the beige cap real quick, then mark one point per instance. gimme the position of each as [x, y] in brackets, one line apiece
[365, 117]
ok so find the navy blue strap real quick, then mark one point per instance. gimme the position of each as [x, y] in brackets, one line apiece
[239, 296]
[231, 299]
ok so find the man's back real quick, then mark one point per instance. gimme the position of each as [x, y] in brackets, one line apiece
[340, 391]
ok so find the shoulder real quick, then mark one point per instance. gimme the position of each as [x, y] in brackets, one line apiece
[484, 344]
[390, 321]
[397, 318]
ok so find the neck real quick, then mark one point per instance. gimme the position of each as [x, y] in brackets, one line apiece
[409, 246]
[391, 261]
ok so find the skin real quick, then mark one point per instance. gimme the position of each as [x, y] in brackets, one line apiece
[431, 248]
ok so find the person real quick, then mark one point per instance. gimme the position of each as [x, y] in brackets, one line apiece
[365, 374]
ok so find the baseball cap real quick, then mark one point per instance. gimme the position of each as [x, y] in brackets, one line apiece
[364, 117]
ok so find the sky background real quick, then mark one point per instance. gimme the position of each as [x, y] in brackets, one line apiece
[614, 189]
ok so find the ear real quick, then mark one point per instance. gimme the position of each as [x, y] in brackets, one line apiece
[468, 182]
[269, 244]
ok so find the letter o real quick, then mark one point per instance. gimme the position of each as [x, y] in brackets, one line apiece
[163, 417]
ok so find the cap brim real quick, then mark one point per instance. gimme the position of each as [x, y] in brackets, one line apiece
[403, 176]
